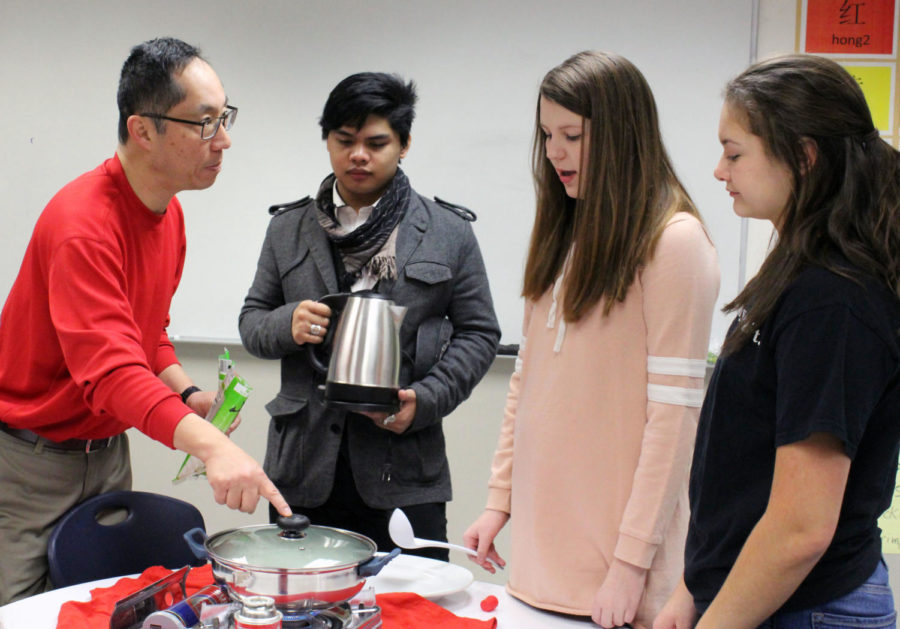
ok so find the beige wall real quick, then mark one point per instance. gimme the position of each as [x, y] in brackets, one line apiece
[777, 29]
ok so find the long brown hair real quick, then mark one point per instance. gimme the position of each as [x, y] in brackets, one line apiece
[629, 189]
[844, 210]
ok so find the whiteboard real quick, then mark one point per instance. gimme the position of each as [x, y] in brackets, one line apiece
[477, 63]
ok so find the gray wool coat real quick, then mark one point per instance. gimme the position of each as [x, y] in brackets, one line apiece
[448, 340]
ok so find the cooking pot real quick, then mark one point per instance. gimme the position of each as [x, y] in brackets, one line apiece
[299, 565]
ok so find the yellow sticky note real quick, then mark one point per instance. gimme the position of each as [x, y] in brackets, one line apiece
[889, 522]
[877, 83]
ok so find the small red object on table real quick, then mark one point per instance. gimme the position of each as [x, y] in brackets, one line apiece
[489, 603]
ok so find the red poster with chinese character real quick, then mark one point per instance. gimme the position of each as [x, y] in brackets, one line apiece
[850, 27]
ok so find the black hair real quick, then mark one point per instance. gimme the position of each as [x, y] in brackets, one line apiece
[360, 95]
[147, 82]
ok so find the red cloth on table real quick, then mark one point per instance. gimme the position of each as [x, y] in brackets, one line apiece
[399, 610]
[404, 610]
[95, 613]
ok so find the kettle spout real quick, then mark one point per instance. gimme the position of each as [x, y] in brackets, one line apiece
[397, 314]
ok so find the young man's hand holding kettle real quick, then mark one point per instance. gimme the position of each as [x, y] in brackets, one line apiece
[309, 323]
[397, 422]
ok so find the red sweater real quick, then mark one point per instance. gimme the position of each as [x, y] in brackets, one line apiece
[82, 333]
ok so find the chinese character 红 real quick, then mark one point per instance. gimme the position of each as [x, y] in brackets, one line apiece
[850, 12]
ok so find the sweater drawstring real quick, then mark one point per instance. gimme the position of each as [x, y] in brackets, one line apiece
[560, 335]
[554, 308]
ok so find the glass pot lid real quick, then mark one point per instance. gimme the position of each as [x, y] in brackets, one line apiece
[292, 544]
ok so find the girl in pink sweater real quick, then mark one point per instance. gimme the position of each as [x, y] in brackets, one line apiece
[620, 284]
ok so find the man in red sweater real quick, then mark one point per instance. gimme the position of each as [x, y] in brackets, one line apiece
[84, 353]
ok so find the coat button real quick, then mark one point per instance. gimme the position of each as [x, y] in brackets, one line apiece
[336, 429]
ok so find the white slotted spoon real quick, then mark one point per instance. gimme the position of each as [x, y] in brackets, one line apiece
[401, 533]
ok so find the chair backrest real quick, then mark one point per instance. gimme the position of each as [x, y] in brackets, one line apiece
[81, 548]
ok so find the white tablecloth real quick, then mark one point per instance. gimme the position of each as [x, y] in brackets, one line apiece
[511, 613]
[40, 612]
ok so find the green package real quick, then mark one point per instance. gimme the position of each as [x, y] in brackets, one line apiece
[233, 392]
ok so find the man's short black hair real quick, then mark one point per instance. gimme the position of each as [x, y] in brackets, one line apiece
[360, 95]
[147, 82]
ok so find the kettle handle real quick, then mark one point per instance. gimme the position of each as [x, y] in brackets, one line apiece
[336, 302]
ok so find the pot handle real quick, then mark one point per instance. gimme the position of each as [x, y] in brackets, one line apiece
[198, 547]
[374, 565]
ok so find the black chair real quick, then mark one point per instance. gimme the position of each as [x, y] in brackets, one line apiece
[145, 530]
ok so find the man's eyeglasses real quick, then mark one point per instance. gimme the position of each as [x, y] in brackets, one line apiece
[209, 127]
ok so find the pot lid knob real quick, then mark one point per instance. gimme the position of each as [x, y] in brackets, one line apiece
[293, 526]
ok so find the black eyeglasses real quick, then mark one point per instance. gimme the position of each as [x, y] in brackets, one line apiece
[208, 128]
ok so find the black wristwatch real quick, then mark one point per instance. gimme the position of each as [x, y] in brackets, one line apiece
[191, 390]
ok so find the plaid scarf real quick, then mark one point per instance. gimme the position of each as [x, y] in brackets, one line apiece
[368, 248]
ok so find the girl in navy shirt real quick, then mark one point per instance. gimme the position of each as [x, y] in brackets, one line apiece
[797, 446]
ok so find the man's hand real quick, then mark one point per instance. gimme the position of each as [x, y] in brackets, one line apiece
[201, 401]
[309, 322]
[238, 481]
[236, 478]
[399, 421]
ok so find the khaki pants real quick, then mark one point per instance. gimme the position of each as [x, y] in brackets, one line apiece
[37, 486]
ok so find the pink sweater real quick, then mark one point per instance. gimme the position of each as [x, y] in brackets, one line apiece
[595, 447]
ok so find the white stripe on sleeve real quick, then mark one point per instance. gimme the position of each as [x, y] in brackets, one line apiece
[671, 366]
[681, 396]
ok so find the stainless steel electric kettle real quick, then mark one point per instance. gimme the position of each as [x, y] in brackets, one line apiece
[364, 345]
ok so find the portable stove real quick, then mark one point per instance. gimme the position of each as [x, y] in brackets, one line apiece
[343, 616]
[134, 612]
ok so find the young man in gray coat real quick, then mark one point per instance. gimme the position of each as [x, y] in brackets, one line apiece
[367, 229]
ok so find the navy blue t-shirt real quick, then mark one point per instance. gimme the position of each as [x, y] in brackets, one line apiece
[826, 360]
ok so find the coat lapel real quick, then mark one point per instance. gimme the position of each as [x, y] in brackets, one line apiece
[319, 248]
[411, 230]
